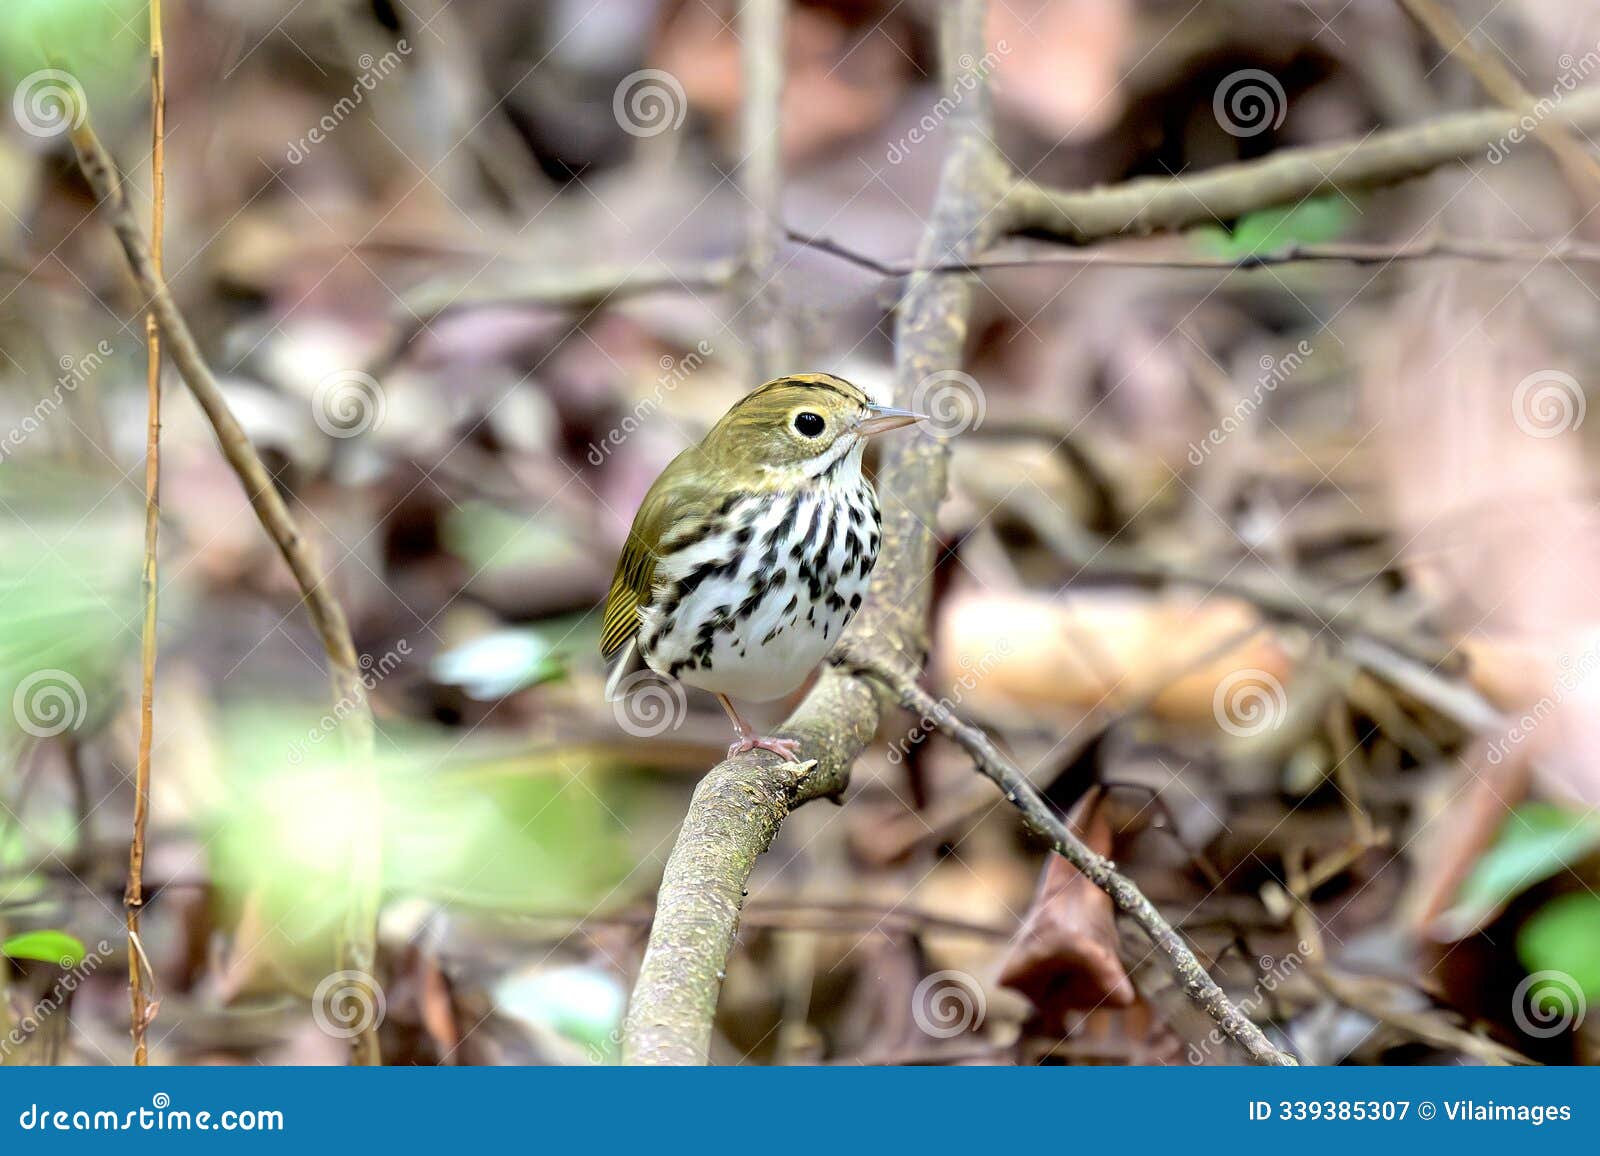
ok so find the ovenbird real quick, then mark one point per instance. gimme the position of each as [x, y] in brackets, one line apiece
[752, 550]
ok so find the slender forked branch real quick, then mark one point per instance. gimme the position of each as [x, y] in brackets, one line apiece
[1197, 984]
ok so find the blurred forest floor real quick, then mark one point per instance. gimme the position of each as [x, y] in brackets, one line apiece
[1277, 580]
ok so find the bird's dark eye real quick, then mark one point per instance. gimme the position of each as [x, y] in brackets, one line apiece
[809, 424]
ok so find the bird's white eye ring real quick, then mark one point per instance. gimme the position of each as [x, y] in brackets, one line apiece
[808, 424]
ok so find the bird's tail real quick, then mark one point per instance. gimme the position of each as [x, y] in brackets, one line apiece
[627, 663]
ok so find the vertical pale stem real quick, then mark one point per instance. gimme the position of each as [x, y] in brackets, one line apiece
[133, 896]
[761, 38]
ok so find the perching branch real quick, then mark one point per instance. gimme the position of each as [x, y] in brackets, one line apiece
[737, 809]
[358, 946]
[133, 894]
[1228, 192]
[1197, 984]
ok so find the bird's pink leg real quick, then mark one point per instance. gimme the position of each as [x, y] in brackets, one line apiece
[750, 741]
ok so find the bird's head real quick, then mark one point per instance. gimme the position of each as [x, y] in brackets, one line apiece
[800, 428]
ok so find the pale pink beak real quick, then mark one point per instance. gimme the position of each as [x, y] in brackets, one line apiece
[883, 419]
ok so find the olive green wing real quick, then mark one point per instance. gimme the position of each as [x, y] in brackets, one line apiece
[630, 590]
[679, 494]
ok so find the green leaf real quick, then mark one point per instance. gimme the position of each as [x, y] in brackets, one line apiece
[96, 44]
[1538, 840]
[513, 832]
[1564, 936]
[1311, 222]
[46, 947]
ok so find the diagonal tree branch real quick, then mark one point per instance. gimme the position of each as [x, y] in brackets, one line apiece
[358, 938]
[1286, 176]
[1191, 975]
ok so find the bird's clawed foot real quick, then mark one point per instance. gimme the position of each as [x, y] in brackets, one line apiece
[788, 748]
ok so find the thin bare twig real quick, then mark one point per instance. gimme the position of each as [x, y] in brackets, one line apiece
[133, 895]
[574, 289]
[1041, 255]
[358, 944]
[1197, 984]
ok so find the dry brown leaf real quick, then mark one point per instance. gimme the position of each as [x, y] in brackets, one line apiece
[1065, 957]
